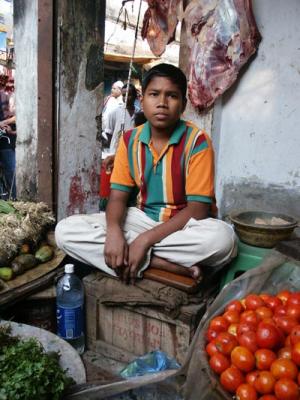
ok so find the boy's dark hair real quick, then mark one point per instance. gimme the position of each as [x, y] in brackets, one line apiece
[168, 71]
[132, 88]
[139, 118]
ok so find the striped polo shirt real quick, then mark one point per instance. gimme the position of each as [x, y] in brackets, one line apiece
[165, 182]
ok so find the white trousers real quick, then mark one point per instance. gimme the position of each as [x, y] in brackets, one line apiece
[209, 242]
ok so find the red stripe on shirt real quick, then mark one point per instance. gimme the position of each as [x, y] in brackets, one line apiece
[143, 167]
[200, 140]
[127, 136]
[177, 173]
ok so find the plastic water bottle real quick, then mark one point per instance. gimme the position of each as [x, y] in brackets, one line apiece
[69, 309]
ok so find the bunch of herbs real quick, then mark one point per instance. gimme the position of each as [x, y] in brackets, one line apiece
[28, 372]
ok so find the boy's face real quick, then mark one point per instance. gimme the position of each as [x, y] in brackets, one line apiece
[162, 103]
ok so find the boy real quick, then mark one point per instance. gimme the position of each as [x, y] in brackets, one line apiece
[170, 163]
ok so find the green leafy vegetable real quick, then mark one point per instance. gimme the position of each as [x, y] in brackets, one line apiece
[28, 372]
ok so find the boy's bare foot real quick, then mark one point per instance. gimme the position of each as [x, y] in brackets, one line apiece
[162, 264]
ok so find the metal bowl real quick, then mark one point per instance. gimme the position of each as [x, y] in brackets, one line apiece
[262, 229]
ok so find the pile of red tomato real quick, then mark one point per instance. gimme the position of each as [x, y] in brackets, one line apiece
[255, 347]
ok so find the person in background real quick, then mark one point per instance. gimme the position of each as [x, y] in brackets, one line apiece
[112, 101]
[170, 163]
[115, 120]
[113, 131]
[7, 140]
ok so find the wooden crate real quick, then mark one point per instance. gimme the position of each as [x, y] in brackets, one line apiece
[124, 332]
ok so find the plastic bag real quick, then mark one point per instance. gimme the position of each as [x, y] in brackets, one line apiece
[274, 274]
[154, 361]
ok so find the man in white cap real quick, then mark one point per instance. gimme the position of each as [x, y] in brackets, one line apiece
[112, 101]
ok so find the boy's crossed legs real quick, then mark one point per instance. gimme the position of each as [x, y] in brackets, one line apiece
[208, 242]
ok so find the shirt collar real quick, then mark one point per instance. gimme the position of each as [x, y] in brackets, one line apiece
[145, 135]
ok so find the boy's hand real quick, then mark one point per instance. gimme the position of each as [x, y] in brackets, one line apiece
[137, 253]
[116, 250]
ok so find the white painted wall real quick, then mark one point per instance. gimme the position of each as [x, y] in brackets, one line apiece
[256, 124]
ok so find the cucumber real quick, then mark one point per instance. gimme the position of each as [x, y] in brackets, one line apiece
[23, 262]
[44, 253]
[6, 273]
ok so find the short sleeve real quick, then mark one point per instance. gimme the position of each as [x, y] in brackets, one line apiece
[121, 178]
[200, 171]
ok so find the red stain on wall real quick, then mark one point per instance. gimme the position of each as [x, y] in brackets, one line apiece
[94, 179]
[77, 196]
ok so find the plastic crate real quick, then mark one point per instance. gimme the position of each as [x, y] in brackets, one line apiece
[248, 257]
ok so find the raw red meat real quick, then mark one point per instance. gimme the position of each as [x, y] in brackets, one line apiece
[159, 24]
[222, 36]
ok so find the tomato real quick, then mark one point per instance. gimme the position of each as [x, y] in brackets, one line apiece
[268, 397]
[249, 317]
[245, 327]
[268, 336]
[265, 296]
[298, 378]
[246, 392]
[251, 377]
[232, 329]
[283, 295]
[284, 368]
[225, 343]
[286, 389]
[211, 334]
[231, 379]
[295, 335]
[264, 312]
[232, 317]
[248, 340]
[211, 348]
[294, 299]
[285, 323]
[273, 302]
[280, 310]
[235, 305]
[265, 382]
[219, 324]
[242, 358]
[253, 301]
[293, 311]
[296, 353]
[218, 363]
[285, 352]
[264, 358]
[287, 341]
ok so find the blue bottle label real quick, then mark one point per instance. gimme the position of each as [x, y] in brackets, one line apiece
[69, 322]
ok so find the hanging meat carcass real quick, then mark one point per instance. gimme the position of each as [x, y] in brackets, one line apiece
[222, 36]
[159, 25]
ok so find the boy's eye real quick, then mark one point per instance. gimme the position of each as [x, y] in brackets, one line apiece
[152, 94]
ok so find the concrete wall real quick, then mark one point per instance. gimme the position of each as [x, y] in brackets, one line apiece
[256, 124]
[80, 98]
[25, 36]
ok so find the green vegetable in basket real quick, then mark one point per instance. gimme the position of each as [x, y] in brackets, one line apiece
[6, 207]
[44, 253]
[23, 263]
[6, 274]
[27, 372]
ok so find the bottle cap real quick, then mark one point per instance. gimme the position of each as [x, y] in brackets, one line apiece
[69, 268]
